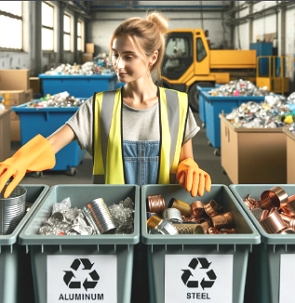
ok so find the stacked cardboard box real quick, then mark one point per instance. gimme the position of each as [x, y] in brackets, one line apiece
[35, 85]
[4, 135]
[15, 89]
[89, 52]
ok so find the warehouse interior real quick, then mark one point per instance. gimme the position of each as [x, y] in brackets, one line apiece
[236, 62]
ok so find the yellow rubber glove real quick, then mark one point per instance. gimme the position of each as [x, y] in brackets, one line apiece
[36, 155]
[192, 178]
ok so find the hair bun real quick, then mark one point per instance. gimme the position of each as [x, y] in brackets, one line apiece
[159, 19]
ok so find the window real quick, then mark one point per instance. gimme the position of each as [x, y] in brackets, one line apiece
[178, 56]
[47, 27]
[11, 18]
[201, 51]
[67, 32]
[80, 36]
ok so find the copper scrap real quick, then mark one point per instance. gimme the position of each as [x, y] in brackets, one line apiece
[212, 208]
[156, 203]
[184, 207]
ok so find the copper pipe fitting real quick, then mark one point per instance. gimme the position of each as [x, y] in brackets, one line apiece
[289, 221]
[197, 209]
[212, 208]
[156, 203]
[273, 224]
[288, 208]
[205, 225]
[273, 197]
[265, 214]
[224, 220]
[184, 207]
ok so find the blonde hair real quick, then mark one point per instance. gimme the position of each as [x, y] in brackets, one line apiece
[148, 34]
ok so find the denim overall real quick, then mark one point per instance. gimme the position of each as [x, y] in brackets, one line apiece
[141, 163]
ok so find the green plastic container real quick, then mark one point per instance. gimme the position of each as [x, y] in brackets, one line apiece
[263, 281]
[47, 252]
[15, 275]
[228, 250]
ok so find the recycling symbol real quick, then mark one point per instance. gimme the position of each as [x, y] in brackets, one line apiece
[70, 278]
[206, 282]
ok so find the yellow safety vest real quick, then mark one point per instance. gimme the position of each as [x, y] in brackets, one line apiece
[108, 164]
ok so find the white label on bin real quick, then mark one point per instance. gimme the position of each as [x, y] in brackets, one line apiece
[87, 278]
[287, 278]
[198, 278]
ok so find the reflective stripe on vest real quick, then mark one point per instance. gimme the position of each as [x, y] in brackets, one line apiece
[108, 164]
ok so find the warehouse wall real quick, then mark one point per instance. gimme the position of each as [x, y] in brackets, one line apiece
[33, 57]
[271, 21]
[103, 24]
[226, 30]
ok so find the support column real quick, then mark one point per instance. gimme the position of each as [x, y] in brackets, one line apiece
[35, 9]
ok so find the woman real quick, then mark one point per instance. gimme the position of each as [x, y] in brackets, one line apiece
[144, 136]
[138, 134]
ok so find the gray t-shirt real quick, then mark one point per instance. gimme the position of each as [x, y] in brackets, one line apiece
[138, 124]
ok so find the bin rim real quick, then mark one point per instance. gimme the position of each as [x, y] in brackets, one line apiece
[23, 108]
[100, 76]
[218, 239]
[207, 88]
[12, 238]
[232, 98]
[272, 239]
[103, 239]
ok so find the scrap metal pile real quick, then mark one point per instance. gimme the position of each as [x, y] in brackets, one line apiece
[275, 111]
[93, 219]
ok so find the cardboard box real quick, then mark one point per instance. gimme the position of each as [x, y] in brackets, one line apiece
[253, 155]
[14, 79]
[15, 130]
[5, 134]
[14, 115]
[89, 48]
[290, 142]
[35, 84]
[86, 57]
[28, 95]
[13, 97]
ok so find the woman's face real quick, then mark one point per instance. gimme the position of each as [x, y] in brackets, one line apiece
[128, 61]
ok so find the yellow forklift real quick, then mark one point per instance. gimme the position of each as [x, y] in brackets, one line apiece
[189, 62]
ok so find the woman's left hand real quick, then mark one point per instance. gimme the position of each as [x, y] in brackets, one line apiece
[192, 178]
